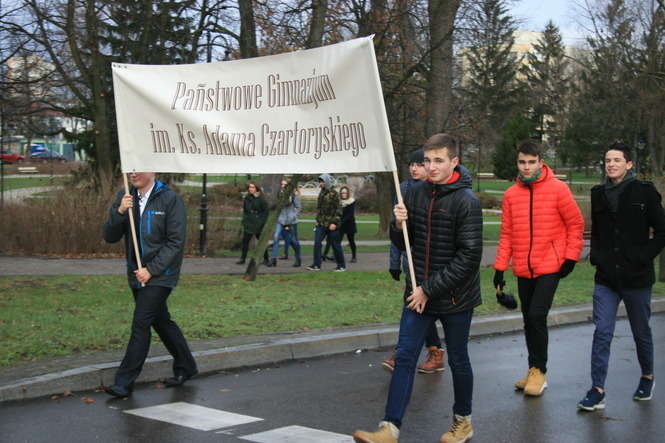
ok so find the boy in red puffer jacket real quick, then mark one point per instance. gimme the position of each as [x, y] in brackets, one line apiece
[541, 231]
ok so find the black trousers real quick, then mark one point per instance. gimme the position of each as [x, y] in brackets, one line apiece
[151, 311]
[536, 296]
[246, 238]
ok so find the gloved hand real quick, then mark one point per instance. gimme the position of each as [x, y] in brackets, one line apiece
[566, 268]
[499, 282]
[395, 273]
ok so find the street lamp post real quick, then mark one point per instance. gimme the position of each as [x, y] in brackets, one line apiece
[203, 225]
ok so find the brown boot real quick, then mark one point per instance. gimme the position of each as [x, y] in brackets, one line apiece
[434, 362]
[536, 383]
[521, 383]
[460, 431]
[389, 363]
[387, 433]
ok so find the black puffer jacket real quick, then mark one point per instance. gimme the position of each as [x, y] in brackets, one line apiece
[445, 230]
[622, 245]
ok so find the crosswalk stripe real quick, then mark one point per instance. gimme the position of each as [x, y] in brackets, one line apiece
[192, 416]
[297, 434]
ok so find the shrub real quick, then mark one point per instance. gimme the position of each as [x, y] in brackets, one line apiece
[366, 199]
[488, 201]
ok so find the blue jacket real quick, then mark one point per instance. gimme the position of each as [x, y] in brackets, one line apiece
[160, 232]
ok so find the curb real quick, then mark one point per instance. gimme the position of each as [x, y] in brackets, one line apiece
[276, 350]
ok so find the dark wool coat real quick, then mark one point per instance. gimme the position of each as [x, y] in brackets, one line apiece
[254, 214]
[622, 244]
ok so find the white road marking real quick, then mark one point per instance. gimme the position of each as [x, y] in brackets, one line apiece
[193, 416]
[297, 434]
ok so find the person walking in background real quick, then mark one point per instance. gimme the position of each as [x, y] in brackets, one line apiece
[435, 361]
[348, 223]
[627, 233]
[541, 232]
[254, 215]
[328, 217]
[161, 224]
[447, 286]
[287, 227]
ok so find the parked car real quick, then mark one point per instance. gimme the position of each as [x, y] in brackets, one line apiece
[46, 155]
[11, 157]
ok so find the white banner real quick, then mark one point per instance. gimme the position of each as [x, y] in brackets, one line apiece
[311, 111]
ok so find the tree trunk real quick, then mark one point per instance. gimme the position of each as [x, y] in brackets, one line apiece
[384, 193]
[98, 66]
[247, 42]
[317, 26]
[440, 77]
[255, 258]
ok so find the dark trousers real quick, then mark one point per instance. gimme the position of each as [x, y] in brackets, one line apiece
[319, 234]
[150, 310]
[351, 236]
[246, 238]
[412, 331]
[638, 307]
[432, 337]
[536, 296]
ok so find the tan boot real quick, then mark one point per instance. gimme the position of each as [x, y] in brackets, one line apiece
[387, 433]
[536, 383]
[434, 362]
[521, 383]
[460, 431]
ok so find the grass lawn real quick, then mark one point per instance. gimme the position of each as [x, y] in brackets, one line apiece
[31, 182]
[54, 316]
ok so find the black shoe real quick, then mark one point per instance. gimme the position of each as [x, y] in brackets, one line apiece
[178, 380]
[329, 258]
[284, 257]
[266, 262]
[353, 260]
[272, 263]
[297, 263]
[118, 391]
[240, 262]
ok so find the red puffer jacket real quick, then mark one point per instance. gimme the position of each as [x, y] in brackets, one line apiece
[541, 226]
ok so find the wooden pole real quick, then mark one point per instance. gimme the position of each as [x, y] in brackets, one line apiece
[406, 233]
[132, 227]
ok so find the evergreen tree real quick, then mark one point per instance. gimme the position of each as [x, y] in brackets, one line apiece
[548, 81]
[517, 129]
[489, 88]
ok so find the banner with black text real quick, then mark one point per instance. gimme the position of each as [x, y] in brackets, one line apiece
[310, 111]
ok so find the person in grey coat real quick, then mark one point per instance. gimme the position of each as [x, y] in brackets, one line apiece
[161, 224]
[287, 228]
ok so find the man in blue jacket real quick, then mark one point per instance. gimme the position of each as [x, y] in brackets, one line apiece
[627, 233]
[161, 224]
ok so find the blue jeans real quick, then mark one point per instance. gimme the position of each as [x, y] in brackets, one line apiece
[638, 307]
[280, 233]
[412, 330]
[336, 241]
[290, 237]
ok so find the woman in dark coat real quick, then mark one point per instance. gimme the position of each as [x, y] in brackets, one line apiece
[254, 215]
[347, 225]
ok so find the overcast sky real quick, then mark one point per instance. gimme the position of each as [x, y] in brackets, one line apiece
[534, 15]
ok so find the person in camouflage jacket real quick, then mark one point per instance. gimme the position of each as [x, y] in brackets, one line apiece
[328, 217]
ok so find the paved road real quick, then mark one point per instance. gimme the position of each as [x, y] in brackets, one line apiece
[324, 400]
